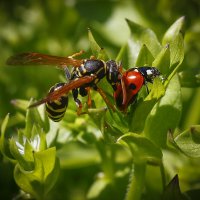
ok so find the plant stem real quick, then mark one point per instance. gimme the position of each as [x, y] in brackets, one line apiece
[136, 185]
[107, 156]
[162, 171]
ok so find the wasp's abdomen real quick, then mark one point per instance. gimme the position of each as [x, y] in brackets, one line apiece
[56, 109]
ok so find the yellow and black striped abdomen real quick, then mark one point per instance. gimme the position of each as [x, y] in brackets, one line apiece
[56, 109]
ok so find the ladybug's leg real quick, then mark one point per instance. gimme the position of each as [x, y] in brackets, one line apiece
[77, 101]
[146, 86]
[103, 95]
[124, 94]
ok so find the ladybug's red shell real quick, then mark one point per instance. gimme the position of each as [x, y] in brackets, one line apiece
[133, 81]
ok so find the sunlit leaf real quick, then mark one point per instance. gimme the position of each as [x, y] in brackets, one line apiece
[39, 181]
[173, 30]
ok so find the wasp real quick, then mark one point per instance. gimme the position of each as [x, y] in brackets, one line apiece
[85, 74]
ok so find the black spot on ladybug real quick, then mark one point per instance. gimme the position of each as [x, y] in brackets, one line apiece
[132, 86]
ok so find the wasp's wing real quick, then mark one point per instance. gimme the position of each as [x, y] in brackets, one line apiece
[31, 58]
[64, 90]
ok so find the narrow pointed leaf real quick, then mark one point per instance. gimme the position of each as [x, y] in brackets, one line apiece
[173, 30]
[145, 57]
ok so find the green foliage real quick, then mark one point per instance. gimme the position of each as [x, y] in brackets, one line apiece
[103, 153]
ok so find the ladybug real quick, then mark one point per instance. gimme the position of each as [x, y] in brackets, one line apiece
[132, 81]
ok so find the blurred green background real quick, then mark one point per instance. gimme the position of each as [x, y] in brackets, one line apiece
[60, 28]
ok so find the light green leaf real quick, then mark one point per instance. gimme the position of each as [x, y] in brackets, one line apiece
[142, 149]
[18, 152]
[145, 57]
[4, 143]
[32, 117]
[162, 60]
[143, 36]
[173, 30]
[176, 50]
[39, 181]
[97, 188]
[97, 51]
[189, 141]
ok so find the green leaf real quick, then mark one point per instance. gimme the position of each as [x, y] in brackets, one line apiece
[165, 114]
[20, 104]
[189, 141]
[176, 50]
[98, 117]
[162, 60]
[142, 149]
[190, 78]
[157, 90]
[97, 188]
[142, 36]
[97, 51]
[18, 152]
[145, 57]
[32, 116]
[172, 191]
[173, 30]
[4, 143]
[39, 181]
[142, 109]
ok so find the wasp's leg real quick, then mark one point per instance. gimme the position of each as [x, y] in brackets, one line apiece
[103, 95]
[92, 57]
[77, 101]
[85, 91]
[76, 54]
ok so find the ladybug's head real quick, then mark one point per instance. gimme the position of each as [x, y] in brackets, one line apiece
[149, 73]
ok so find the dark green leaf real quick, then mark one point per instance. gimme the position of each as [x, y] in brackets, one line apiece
[172, 191]
[190, 78]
